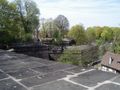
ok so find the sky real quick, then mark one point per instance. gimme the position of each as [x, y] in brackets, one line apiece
[87, 12]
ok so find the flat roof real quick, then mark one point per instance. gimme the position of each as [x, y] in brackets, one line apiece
[81, 47]
[22, 72]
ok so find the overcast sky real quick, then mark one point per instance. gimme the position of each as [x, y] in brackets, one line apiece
[87, 12]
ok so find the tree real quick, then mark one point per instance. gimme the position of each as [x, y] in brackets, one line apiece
[17, 20]
[9, 22]
[94, 35]
[116, 35]
[90, 34]
[57, 37]
[116, 40]
[77, 32]
[48, 28]
[62, 24]
[98, 31]
[79, 56]
[71, 57]
[107, 34]
[29, 14]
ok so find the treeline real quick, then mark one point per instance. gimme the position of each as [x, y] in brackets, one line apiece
[106, 36]
[18, 21]
[97, 34]
[54, 28]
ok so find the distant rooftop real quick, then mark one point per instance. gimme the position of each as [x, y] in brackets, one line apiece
[115, 63]
[81, 47]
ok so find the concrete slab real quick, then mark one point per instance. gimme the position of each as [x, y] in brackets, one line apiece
[93, 78]
[9, 68]
[59, 85]
[9, 62]
[76, 69]
[38, 80]
[3, 75]
[109, 86]
[117, 80]
[6, 56]
[12, 55]
[9, 84]
[53, 68]
[20, 65]
[43, 61]
[32, 64]
[23, 73]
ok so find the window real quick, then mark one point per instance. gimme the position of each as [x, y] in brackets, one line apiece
[110, 60]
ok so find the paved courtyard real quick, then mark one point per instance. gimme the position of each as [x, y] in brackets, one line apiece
[22, 72]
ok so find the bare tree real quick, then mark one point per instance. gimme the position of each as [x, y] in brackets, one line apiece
[62, 23]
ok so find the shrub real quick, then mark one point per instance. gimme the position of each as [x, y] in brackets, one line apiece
[73, 57]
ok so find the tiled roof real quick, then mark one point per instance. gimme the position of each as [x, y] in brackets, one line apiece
[115, 64]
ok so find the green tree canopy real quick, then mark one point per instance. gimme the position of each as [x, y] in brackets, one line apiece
[77, 32]
[107, 34]
[90, 34]
[18, 20]
[9, 22]
[29, 14]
